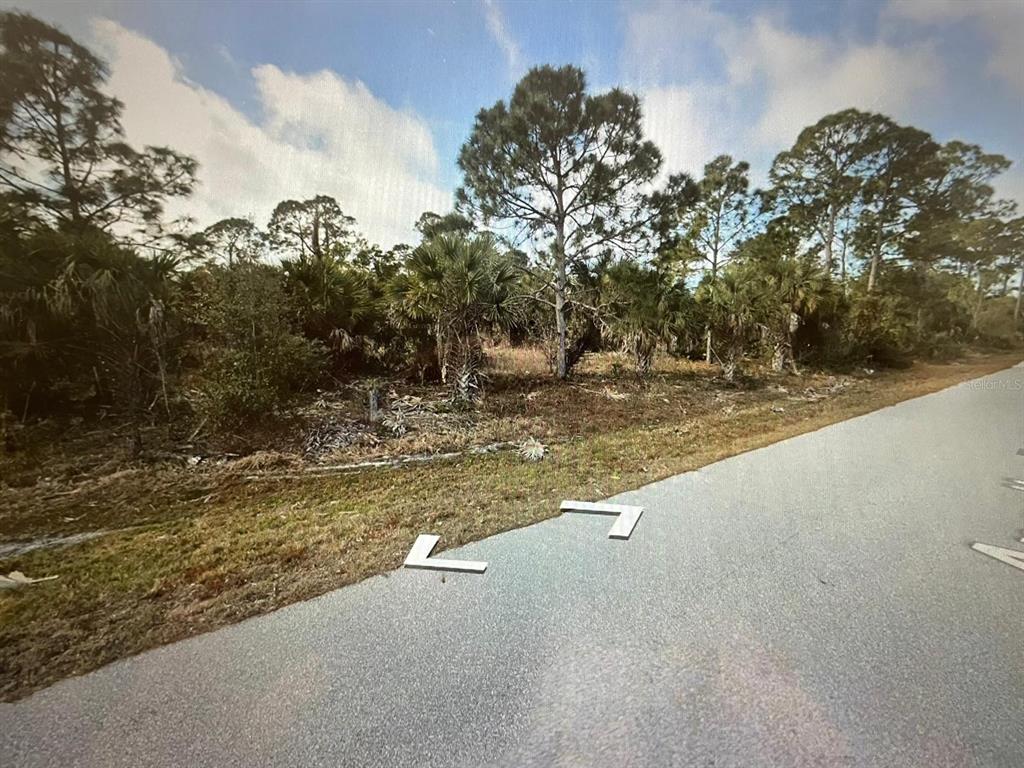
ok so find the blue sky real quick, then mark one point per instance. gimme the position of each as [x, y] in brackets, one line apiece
[371, 101]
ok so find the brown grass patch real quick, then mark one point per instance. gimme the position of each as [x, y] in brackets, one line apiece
[216, 546]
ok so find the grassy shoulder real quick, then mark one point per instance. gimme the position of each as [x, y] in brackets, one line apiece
[194, 549]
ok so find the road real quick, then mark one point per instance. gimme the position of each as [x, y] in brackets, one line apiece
[812, 603]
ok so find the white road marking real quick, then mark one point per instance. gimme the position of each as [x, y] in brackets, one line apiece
[1016, 485]
[419, 557]
[623, 527]
[1008, 556]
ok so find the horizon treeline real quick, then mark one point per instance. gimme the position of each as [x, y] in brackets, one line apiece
[871, 244]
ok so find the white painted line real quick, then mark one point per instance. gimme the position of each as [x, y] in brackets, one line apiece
[624, 525]
[1016, 485]
[419, 557]
[1008, 556]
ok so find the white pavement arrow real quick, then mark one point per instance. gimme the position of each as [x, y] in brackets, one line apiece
[1008, 556]
[419, 557]
[628, 516]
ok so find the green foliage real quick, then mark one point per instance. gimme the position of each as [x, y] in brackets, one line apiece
[882, 245]
[461, 288]
[84, 318]
[734, 310]
[248, 361]
[996, 324]
[310, 229]
[430, 225]
[231, 240]
[333, 303]
[569, 168]
[645, 308]
[62, 152]
[722, 215]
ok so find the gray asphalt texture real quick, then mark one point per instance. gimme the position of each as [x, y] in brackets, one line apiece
[813, 603]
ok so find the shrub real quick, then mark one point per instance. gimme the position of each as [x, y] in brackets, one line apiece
[250, 362]
[996, 325]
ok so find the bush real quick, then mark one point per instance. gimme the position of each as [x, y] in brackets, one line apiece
[239, 385]
[875, 332]
[249, 361]
[996, 325]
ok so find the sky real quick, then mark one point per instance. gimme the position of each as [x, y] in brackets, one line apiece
[370, 102]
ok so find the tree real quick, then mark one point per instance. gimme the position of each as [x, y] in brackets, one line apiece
[431, 224]
[721, 216]
[568, 168]
[83, 313]
[820, 178]
[62, 149]
[332, 301]
[645, 308]
[955, 192]
[234, 240]
[901, 159]
[1015, 256]
[788, 289]
[461, 287]
[735, 311]
[310, 228]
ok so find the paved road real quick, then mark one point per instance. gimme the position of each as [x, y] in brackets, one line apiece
[814, 603]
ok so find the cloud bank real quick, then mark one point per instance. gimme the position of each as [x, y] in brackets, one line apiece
[766, 81]
[317, 133]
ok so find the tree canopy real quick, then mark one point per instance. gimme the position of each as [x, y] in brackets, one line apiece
[572, 170]
[63, 158]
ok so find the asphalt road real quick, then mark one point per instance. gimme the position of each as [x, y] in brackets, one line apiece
[813, 603]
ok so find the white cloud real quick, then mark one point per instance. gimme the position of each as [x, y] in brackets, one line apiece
[805, 78]
[499, 31]
[318, 134]
[772, 81]
[1002, 22]
[677, 120]
[1010, 186]
[670, 41]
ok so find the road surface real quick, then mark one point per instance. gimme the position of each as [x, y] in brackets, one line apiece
[813, 603]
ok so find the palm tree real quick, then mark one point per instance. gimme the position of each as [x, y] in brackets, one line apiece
[735, 311]
[113, 304]
[462, 287]
[333, 300]
[790, 288]
[645, 308]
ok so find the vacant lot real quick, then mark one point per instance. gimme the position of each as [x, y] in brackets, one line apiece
[194, 535]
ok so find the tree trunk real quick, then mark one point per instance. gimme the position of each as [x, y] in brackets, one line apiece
[876, 258]
[561, 367]
[714, 277]
[729, 367]
[1020, 292]
[830, 235]
[70, 188]
[978, 304]
[315, 242]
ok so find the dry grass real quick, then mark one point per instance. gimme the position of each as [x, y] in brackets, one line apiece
[209, 544]
[517, 361]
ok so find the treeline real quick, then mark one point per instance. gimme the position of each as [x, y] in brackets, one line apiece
[872, 243]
